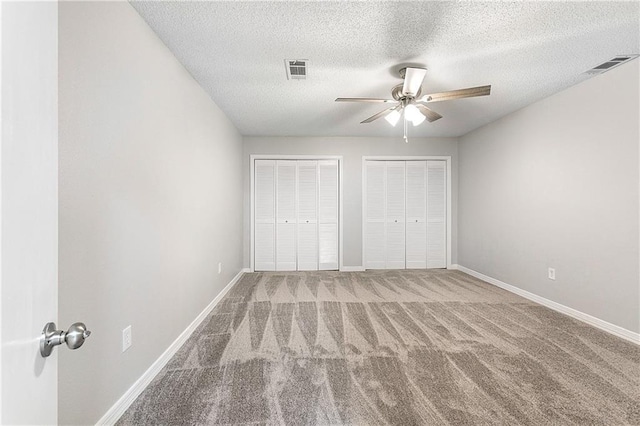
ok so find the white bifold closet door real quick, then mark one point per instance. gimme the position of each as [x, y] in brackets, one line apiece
[265, 215]
[286, 215]
[436, 214]
[307, 249]
[395, 214]
[405, 214]
[328, 214]
[296, 221]
[416, 199]
[375, 215]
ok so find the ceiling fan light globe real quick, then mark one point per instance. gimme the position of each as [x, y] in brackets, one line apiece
[411, 112]
[418, 120]
[393, 117]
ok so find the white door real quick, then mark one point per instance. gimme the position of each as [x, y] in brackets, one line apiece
[395, 205]
[328, 214]
[265, 215]
[286, 215]
[28, 210]
[374, 220]
[296, 215]
[416, 200]
[436, 214]
[307, 247]
[405, 214]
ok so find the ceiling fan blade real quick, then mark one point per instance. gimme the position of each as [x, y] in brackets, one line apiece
[429, 113]
[379, 115]
[365, 100]
[457, 94]
[413, 78]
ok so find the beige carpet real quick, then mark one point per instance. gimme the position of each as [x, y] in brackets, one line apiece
[391, 347]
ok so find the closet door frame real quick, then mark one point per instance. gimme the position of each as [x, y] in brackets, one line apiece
[252, 165]
[446, 158]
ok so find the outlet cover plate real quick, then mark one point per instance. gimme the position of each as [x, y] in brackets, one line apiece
[126, 338]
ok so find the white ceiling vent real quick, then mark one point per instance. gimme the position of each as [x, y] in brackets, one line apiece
[297, 69]
[610, 64]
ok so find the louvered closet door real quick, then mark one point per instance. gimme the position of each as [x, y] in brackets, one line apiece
[395, 214]
[286, 215]
[416, 200]
[374, 232]
[328, 214]
[436, 214]
[307, 249]
[265, 215]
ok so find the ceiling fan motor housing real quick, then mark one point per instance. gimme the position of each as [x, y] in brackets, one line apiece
[397, 94]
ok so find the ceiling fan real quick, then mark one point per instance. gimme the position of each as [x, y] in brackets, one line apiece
[408, 100]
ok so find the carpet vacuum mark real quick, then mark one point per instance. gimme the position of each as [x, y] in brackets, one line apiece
[390, 348]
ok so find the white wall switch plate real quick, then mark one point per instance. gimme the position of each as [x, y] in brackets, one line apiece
[126, 338]
[220, 267]
[552, 273]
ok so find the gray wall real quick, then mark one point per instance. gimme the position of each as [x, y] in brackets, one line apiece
[556, 185]
[352, 149]
[150, 201]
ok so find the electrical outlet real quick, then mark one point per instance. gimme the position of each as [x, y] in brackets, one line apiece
[220, 267]
[552, 274]
[126, 338]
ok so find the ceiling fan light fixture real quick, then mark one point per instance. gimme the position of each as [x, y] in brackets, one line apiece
[418, 120]
[412, 113]
[393, 117]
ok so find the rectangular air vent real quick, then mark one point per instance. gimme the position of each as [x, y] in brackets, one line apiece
[297, 69]
[610, 64]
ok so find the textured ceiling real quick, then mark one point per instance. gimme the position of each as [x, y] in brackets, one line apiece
[526, 50]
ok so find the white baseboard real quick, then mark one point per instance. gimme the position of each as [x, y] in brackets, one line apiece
[118, 409]
[591, 320]
[343, 269]
[246, 270]
[352, 269]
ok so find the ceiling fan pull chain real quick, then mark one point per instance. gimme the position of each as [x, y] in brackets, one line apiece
[406, 139]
